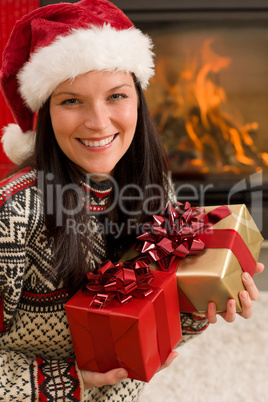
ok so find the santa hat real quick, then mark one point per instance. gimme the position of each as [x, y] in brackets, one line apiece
[60, 42]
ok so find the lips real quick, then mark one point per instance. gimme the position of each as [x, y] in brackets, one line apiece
[99, 143]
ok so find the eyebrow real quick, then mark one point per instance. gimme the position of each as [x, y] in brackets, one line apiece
[65, 93]
[118, 87]
[75, 94]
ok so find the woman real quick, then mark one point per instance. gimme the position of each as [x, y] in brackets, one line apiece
[94, 171]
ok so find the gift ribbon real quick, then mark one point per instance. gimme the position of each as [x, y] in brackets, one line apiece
[102, 341]
[120, 281]
[176, 232]
[217, 214]
[229, 239]
[163, 334]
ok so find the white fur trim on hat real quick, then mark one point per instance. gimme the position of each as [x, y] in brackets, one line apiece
[18, 146]
[83, 50]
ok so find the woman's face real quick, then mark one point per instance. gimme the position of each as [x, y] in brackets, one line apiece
[94, 119]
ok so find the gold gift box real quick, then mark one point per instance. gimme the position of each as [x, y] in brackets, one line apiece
[215, 274]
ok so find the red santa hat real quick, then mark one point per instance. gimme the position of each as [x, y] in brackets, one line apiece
[60, 42]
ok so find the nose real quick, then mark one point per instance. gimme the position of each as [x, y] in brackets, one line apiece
[97, 117]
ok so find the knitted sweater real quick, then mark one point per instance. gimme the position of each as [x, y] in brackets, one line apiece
[37, 361]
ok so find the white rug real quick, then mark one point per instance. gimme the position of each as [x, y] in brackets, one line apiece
[227, 363]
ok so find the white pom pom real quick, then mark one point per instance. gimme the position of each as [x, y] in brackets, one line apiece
[18, 146]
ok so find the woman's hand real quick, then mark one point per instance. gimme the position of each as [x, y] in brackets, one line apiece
[169, 360]
[246, 297]
[93, 379]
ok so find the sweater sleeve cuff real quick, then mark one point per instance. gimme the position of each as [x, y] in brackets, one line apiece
[193, 323]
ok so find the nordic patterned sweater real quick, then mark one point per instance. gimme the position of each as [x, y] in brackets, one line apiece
[37, 361]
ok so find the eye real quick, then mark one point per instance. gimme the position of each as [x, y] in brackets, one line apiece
[118, 96]
[71, 101]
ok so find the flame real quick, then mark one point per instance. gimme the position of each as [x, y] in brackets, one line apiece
[196, 101]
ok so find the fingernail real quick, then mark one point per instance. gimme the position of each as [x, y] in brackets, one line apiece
[232, 303]
[246, 276]
[121, 374]
[244, 295]
[212, 308]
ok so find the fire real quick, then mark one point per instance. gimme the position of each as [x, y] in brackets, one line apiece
[199, 133]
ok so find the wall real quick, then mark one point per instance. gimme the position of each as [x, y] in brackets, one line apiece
[10, 12]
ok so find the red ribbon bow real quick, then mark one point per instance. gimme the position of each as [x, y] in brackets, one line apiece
[121, 281]
[174, 233]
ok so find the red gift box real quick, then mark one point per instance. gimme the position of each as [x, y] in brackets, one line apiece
[137, 335]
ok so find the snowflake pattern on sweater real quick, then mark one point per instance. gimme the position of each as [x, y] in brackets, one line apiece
[37, 361]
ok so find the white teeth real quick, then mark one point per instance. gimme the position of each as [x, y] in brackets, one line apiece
[97, 143]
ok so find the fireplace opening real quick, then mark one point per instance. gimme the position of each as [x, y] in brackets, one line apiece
[209, 97]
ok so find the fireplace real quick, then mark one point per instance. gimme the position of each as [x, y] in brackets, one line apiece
[209, 100]
[209, 97]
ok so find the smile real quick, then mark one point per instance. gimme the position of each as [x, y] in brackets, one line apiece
[101, 143]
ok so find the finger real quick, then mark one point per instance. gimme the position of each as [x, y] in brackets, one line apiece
[250, 286]
[230, 314]
[259, 268]
[94, 379]
[247, 308]
[211, 313]
[172, 356]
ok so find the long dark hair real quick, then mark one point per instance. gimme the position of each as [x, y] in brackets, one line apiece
[143, 164]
